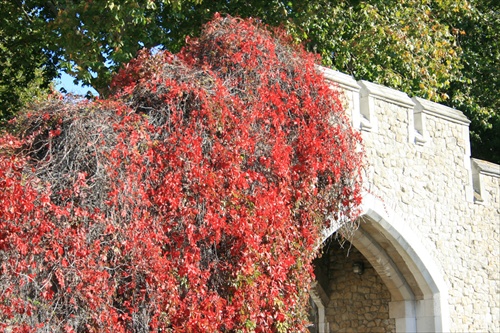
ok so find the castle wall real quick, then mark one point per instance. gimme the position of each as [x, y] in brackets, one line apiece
[418, 164]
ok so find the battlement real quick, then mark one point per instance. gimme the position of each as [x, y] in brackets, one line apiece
[421, 123]
[430, 227]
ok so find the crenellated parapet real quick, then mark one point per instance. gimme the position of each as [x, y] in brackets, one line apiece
[420, 124]
[438, 218]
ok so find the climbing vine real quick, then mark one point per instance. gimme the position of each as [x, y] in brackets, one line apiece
[191, 201]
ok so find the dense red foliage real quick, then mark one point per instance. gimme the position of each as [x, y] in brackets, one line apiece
[191, 202]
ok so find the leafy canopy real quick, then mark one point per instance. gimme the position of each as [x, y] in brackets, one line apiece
[190, 201]
[443, 50]
[26, 70]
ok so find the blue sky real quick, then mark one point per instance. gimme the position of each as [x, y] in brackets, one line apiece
[66, 82]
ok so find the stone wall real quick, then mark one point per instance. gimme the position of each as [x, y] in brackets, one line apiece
[419, 166]
[358, 302]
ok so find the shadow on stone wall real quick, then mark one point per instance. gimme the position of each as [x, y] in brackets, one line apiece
[357, 302]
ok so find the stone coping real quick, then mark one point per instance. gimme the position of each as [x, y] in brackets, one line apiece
[344, 80]
[394, 96]
[440, 111]
[487, 168]
[385, 93]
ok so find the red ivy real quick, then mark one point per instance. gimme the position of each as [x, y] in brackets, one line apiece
[190, 202]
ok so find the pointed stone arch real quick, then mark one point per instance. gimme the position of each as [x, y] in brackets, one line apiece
[319, 300]
[418, 291]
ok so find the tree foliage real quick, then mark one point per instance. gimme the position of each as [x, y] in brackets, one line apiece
[443, 50]
[476, 93]
[26, 71]
[191, 201]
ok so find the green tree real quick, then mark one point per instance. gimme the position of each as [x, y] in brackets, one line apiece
[477, 91]
[443, 50]
[87, 39]
[26, 67]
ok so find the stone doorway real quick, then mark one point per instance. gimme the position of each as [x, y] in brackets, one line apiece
[400, 288]
[357, 298]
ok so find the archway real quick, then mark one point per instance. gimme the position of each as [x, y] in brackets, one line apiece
[418, 294]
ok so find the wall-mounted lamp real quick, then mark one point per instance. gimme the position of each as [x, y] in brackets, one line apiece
[358, 267]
